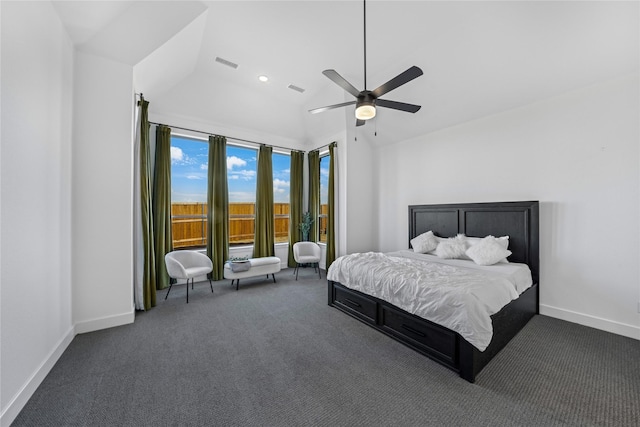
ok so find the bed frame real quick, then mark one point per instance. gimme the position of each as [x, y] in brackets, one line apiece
[519, 221]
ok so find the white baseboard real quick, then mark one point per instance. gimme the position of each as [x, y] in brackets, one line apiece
[105, 322]
[607, 325]
[22, 397]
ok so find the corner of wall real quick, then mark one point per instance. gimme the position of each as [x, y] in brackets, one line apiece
[30, 386]
[97, 324]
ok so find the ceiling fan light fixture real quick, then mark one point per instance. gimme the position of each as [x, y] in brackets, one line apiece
[365, 111]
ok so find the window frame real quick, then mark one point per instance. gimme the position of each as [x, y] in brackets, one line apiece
[276, 216]
[241, 216]
[323, 218]
[202, 216]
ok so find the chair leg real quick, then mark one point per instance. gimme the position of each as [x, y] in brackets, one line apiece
[188, 289]
[274, 277]
[297, 268]
[211, 285]
[319, 275]
[237, 283]
[170, 285]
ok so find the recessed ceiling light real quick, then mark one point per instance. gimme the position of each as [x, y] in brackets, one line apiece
[263, 78]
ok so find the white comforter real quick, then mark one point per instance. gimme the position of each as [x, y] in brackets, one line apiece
[461, 299]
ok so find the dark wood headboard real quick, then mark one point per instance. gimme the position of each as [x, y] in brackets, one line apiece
[518, 220]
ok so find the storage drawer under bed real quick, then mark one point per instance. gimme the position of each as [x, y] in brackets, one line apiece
[357, 305]
[429, 337]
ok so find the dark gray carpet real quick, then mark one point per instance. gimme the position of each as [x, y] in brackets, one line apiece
[278, 355]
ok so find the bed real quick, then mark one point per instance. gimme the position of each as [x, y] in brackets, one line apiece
[519, 221]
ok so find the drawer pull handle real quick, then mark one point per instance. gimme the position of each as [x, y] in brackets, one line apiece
[410, 329]
[355, 304]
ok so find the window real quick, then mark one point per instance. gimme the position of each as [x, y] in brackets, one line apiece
[241, 176]
[189, 163]
[324, 198]
[189, 158]
[281, 183]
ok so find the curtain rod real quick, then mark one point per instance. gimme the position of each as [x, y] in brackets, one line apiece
[229, 137]
[324, 146]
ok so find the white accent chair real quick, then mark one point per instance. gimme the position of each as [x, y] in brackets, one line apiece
[307, 253]
[187, 265]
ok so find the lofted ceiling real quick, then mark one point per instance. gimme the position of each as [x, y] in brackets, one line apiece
[479, 58]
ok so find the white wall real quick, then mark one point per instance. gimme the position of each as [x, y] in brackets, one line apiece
[102, 193]
[167, 112]
[358, 187]
[578, 155]
[35, 277]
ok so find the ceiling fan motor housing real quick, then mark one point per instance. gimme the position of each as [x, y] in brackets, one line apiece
[365, 105]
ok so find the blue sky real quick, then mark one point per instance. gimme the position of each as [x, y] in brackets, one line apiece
[189, 158]
[324, 179]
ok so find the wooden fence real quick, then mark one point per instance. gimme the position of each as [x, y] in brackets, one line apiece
[189, 223]
[322, 226]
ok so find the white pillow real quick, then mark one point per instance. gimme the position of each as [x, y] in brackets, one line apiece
[472, 241]
[489, 251]
[504, 241]
[453, 247]
[426, 242]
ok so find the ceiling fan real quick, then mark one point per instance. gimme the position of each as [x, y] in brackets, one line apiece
[367, 100]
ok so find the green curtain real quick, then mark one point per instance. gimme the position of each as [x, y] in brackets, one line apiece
[217, 206]
[149, 275]
[295, 201]
[331, 218]
[264, 224]
[314, 192]
[162, 204]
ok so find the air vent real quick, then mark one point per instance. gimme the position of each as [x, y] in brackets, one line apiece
[227, 63]
[296, 88]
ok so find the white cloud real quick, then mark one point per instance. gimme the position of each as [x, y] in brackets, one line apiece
[240, 196]
[278, 184]
[235, 161]
[176, 154]
[195, 177]
[204, 166]
[242, 174]
[177, 197]
[324, 172]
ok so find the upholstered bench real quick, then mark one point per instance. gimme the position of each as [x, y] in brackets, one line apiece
[259, 266]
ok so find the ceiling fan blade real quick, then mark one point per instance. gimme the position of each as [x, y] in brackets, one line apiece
[340, 81]
[331, 107]
[359, 122]
[409, 108]
[398, 80]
